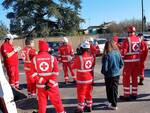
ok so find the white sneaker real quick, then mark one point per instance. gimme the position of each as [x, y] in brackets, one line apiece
[33, 96]
[112, 108]
[107, 103]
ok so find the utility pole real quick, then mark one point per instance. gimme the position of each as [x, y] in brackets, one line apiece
[142, 15]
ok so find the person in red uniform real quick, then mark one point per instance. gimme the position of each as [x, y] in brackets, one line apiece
[44, 72]
[131, 57]
[65, 54]
[93, 47]
[84, 64]
[115, 39]
[27, 54]
[144, 55]
[10, 58]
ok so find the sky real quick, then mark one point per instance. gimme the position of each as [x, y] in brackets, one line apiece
[96, 12]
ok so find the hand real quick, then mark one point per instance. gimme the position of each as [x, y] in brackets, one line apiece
[17, 49]
[69, 58]
[47, 87]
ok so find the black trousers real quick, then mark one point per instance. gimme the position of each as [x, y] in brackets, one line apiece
[112, 89]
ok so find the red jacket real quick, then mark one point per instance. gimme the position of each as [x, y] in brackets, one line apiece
[65, 52]
[131, 49]
[27, 54]
[6, 48]
[144, 51]
[84, 64]
[44, 69]
[93, 49]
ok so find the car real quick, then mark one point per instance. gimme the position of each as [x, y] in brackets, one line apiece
[120, 40]
[147, 39]
[54, 47]
[101, 44]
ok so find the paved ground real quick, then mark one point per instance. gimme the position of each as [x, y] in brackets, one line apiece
[68, 94]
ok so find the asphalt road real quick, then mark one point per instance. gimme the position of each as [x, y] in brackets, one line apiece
[68, 94]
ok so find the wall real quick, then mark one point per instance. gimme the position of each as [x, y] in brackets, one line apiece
[73, 40]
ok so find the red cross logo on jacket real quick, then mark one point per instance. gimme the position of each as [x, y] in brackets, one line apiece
[44, 66]
[88, 64]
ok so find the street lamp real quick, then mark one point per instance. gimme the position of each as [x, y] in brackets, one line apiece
[142, 15]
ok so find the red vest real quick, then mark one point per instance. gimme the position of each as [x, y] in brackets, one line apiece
[44, 65]
[133, 50]
[85, 64]
[27, 54]
[5, 49]
[64, 52]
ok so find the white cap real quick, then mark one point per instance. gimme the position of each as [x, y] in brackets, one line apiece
[91, 39]
[10, 36]
[15, 36]
[65, 39]
[85, 44]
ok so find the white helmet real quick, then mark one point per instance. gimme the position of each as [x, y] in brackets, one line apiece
[85, 44]
[91, 39]
[65, 39]
[10, 36]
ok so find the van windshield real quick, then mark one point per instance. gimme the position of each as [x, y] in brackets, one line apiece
[147, 37]
[101, 41]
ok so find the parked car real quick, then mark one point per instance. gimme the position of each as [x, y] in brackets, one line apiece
[54, 47]
[101, 44]
[120, 40]
[147, 39]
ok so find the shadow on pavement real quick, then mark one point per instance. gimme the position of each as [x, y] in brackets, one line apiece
[67, 109]
[72, 85]
[70, 104]
[140, 97]
[98, 102]
[99, 84]
[23, 86]
[26, 104]
[18, 95]
[69, 85]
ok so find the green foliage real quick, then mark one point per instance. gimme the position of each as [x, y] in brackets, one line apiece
[3, 30]
[43, 17]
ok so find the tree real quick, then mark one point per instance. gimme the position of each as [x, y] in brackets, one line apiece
[3, 30]
[43, 17]
[122, 26]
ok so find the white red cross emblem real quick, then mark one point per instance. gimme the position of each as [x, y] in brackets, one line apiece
[44, 66]
[135, 47]
[88, 64]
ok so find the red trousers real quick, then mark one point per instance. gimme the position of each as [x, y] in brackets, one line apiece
[142, 70]
[66, 66]
[13, 75]
[31, 87]
[54, 96]
[131, 70]
[84, 95]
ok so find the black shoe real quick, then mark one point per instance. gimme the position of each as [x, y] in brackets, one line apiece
[18, 88]
[87, 109]
[140, 83]
[74, 82]
[35, 111]
[78, 111]
[66, 82]
[124, 98]
[133, 97]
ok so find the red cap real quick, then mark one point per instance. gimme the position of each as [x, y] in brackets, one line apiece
[131, 29]
[115, 38]
[43, 46]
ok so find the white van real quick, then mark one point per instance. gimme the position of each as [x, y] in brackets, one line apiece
[7, 104]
